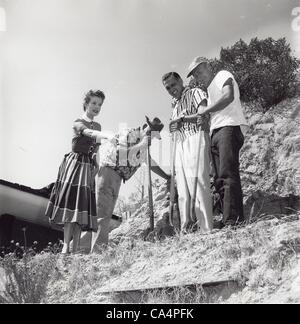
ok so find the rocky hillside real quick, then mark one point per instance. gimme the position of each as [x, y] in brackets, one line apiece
[270, 171]
[270, 161]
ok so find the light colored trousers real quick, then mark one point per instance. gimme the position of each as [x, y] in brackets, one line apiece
[107, 189]
[186, 160]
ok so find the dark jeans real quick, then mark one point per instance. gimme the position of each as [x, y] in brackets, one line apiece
[226, 145]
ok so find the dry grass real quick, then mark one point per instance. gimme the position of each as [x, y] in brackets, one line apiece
[176, 296]
[26, 279]
[256, 257]
[259, 258]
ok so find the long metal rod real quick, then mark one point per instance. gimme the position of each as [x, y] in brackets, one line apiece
[196, 178]
[150, 193]
[172, 185]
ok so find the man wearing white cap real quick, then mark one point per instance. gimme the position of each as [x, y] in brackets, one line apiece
[188, 136]
[227, 122]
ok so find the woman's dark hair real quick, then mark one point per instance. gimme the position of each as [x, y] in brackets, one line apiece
[98, 93]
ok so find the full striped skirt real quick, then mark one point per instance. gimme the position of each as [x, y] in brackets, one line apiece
[73, 198]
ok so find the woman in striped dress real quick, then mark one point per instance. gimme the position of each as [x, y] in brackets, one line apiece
[72, 202]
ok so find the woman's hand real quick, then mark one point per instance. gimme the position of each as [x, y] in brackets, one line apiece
[112, 139]
[107, 137]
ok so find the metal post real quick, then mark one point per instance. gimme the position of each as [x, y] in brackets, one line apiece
[172, 185]
[150, 193]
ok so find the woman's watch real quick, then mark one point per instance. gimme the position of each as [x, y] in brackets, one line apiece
[182, 119]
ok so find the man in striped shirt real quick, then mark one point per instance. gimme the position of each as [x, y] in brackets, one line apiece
[188, 136]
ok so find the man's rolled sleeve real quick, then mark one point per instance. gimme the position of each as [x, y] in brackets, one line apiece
[222, 77]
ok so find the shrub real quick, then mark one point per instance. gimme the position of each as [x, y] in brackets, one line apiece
[26, 278]
[265, 70]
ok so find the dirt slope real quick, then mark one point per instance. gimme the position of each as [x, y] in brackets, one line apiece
[262, 259]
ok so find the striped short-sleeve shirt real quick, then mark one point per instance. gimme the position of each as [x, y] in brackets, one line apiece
[188, 105]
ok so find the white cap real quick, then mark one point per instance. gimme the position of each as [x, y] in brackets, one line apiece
[196, 62]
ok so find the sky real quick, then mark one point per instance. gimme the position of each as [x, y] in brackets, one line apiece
[54, 51]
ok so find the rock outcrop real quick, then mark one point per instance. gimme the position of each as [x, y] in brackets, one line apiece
[270, 160]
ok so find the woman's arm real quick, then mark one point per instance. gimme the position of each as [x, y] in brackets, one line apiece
[97, 135]
[80, 129]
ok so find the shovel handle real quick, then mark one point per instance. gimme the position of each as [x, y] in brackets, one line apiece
[172, 185]
[150, 193]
